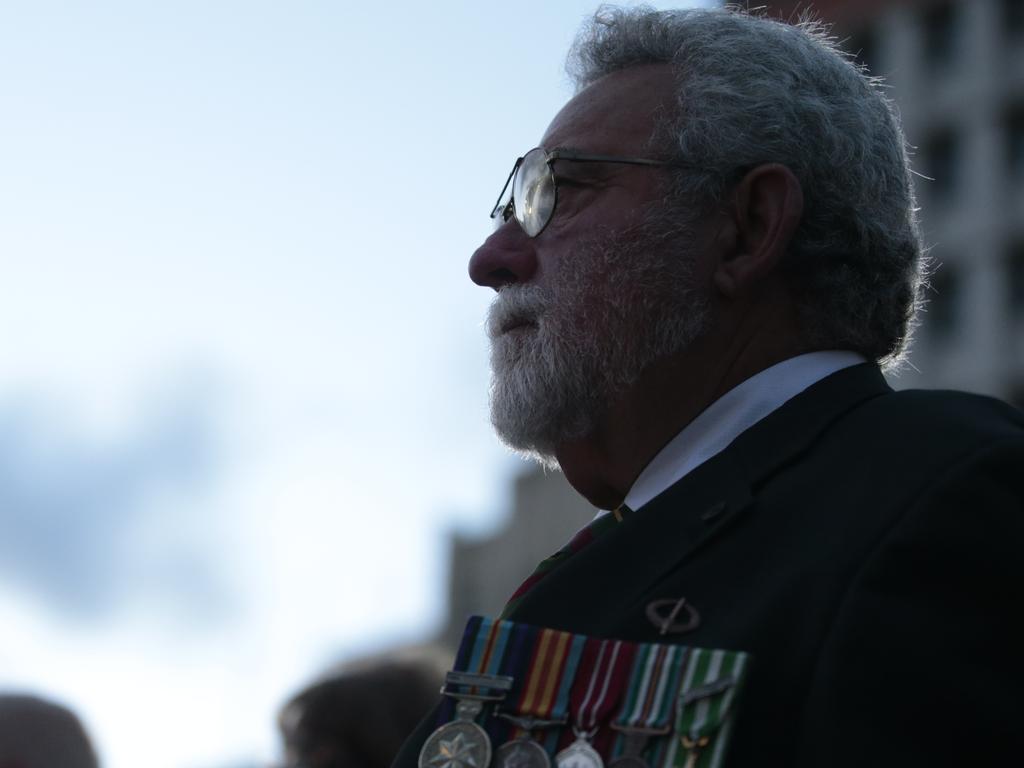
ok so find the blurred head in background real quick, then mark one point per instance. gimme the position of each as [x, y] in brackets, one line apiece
[359, 717]
[39, 734]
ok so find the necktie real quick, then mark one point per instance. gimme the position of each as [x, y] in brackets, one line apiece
[583, 538]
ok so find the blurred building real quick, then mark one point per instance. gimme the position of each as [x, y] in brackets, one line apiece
[955, 69]
[484, 571]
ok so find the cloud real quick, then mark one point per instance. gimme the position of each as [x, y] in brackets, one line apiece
[90, 524]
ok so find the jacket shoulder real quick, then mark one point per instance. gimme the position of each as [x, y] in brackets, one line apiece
[919, 417]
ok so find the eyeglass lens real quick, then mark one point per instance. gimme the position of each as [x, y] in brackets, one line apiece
[533, 192]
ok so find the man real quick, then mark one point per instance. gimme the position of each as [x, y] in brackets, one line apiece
[698, 275]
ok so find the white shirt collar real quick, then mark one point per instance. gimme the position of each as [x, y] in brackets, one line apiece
[733, 413]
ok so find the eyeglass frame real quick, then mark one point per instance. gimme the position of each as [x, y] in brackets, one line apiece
[573, 156]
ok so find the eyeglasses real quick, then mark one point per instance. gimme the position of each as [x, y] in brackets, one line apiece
[535, 189]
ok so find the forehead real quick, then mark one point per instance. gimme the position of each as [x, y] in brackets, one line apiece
[615, 114]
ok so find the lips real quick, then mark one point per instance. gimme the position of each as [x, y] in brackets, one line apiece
[519, 324]
[515, 311]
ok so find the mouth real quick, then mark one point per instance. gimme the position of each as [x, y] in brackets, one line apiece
[514, 313]
[518, 325]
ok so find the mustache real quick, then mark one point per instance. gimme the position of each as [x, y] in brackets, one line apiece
[514, 307]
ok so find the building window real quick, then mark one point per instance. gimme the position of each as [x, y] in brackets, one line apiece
[940, 161]
[941, 27]
[943, 307]
[1015, 140]
[1015, 278]
[1013, 18]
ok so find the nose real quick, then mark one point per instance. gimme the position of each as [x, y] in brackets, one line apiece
[506, 257]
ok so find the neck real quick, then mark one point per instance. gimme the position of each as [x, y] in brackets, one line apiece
[671, 393]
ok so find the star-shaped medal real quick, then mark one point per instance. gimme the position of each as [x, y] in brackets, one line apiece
[455, 753]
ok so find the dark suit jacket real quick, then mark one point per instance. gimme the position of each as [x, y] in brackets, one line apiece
[866, 547]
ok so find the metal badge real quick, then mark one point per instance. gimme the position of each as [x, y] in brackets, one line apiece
[458, 744]
[693, 749]
[667, 616]
[579, 754]
[521, 753]
[524, 752]
[632, 750]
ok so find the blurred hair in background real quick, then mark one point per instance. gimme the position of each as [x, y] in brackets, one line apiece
[35, 733]
[359, 716]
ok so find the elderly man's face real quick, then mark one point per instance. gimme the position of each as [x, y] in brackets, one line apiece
[605, 289]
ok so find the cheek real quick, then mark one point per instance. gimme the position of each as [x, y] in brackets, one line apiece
[585, 308]
[576, 210]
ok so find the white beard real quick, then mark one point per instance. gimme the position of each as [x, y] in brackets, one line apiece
[610, 309]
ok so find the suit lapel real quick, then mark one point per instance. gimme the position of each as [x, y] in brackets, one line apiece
[588, 593]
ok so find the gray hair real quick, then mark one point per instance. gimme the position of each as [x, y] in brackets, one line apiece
[751, 90]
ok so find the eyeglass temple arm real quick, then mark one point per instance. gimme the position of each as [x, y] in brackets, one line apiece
[494, 210]
[564, 154]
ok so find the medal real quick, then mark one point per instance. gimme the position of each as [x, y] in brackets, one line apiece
[649, 705]
[458, 744]
[596, 692]
[693, 749]
[522, 752]
[462, 743]
[632, 747]
[579, 754]
[709, 690]
[623, 700]
[543, 701]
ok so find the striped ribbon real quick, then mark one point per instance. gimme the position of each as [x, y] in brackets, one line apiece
[541, 662]
[602, 679]
[583, 538]
[710, 687]
[654, 684]
[650, 702]
[549, 676]
[564, 676]
[483, 650]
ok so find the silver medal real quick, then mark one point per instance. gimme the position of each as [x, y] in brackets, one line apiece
[632, 749]
[521, 753]
[458, 744]
[579, 754]
[524, 752]
[629, 760]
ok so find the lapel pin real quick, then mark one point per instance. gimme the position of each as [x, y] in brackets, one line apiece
[713, 511]
[673, 616]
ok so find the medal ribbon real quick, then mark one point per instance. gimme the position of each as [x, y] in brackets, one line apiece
[653, 689]
[548, 678]
[555, 674]
[541, 662]
[709, 689]
[649, 705]
[601, 680]
[483, 650]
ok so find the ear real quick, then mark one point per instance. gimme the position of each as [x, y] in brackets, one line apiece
[764, 213]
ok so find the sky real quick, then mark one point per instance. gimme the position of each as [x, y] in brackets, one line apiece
[242, 369]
